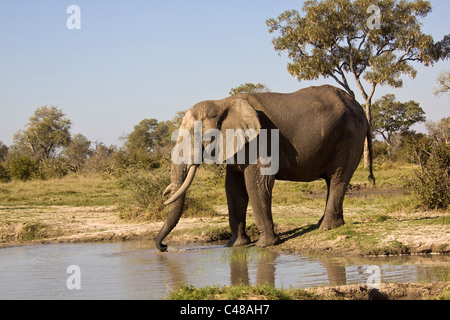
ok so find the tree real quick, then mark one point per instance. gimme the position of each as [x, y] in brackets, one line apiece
[147, 139]
[390, 116]
[46, 132]
[444, 83]
[78, 151]
[3, 152]
[439, 131]
[249, 88]
[370, 40]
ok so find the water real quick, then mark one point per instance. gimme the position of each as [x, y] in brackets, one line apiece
[136, 270]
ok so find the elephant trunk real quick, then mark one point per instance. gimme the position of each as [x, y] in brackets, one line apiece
[180, 181]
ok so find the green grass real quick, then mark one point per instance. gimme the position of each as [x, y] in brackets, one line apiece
[94, 190]
[236, 292]
[445, 295]
[67, 191]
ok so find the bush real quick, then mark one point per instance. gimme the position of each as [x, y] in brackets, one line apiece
[431, 182]
[53, 168]
[380, 151]
[147, 186]
[4, 174]
[23, 168]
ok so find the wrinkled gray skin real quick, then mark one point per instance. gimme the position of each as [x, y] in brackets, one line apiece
[321, 135]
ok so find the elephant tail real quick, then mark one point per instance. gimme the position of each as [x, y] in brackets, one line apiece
[369, 145]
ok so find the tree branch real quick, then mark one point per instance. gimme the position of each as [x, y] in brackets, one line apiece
[343, 83]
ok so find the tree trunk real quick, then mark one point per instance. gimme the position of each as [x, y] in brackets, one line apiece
[367, 152]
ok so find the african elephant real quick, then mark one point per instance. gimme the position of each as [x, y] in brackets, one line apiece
[321, 132]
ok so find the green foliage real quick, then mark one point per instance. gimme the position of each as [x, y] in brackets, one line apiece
[46, 132]
[444, 82]
[440, 130]
[52, 168]
[102, 160]
[380, 150]
[31, 231]
[146, 187]
[4, 174]
[77, 152]
[390, 116]
[431, 182]
[333, 39]
[249, 88]
[3, 151]
[150, 140]
[23, 167]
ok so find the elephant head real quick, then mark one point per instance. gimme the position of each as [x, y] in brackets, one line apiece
[205, 117]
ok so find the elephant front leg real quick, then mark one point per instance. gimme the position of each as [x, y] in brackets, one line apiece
[259, 188]
[237, 199]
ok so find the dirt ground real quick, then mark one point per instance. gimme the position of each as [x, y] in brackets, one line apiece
[74, 224]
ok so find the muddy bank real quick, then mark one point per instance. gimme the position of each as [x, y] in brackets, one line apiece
[387, 291]
[38, 225]
[362, 235]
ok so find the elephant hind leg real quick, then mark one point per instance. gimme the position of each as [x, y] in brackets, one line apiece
[334, 216]
[327, 180]
[339, 174]
[237, 199]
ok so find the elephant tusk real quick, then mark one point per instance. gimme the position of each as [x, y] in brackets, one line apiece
[167, 190]
[187, 182]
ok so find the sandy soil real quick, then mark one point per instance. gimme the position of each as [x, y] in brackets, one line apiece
[80, 224]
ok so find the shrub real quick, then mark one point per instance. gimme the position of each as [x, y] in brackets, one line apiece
[53, 168]
[431, 182]
[147, 186]
[23, 167]
[4, 174]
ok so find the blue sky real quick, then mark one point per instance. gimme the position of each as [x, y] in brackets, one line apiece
[149, 59]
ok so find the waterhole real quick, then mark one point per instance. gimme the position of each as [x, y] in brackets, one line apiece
[136, 270]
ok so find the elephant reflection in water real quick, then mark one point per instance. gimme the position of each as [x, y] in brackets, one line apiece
[239, 261]
[266, 267]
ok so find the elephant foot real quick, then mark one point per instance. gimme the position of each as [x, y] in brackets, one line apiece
[330, 223]
[239, 241]
[268, 241]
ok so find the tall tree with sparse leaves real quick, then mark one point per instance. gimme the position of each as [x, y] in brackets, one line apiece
[372, 41]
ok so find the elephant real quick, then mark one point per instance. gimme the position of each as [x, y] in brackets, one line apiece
[321, 133]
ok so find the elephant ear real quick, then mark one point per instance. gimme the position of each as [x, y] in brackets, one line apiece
[239, 124]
